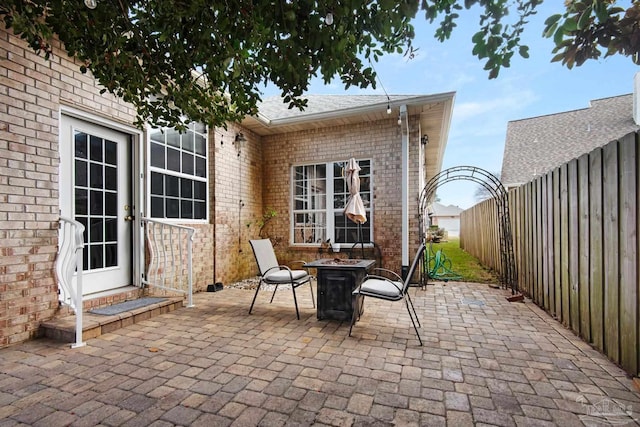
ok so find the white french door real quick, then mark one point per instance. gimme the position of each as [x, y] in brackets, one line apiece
[96, 190]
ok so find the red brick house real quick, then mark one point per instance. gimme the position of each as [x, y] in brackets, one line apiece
[66, 149]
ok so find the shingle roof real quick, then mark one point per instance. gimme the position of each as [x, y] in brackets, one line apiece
[536, 145]
[442, 210]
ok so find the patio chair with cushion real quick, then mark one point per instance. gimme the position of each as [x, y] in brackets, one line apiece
[271, 273]
[389, 289]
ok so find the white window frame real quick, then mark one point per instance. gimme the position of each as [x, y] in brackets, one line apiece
[329, 211]
[150, 169]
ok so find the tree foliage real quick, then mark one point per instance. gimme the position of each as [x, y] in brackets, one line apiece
[588, 27]
[208, 59]
[484, 193]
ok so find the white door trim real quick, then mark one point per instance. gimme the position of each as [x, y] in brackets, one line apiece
[137, 177]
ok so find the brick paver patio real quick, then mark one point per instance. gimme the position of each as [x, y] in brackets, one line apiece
[485, 362]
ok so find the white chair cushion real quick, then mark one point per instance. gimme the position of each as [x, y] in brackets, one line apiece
[282, 276]
[381, 287]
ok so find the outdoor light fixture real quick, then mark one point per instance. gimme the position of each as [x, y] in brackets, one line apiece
[238, 141]
[399, 120]
[424, 139]
[329, 18]
[388, 108]
[91, 4]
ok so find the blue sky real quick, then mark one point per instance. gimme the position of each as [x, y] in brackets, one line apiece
[529, 88]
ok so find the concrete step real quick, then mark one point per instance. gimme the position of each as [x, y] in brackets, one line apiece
[63, 327]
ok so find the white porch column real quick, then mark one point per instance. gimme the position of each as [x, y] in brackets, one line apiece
[404, 127]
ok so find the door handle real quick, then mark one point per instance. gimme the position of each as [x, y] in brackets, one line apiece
[129, 218]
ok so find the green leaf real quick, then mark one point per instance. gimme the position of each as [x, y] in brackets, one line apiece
[570, 25]
[550, 30]
[552, 20]
[601, 10]
[558, 36]
[584, 19]
[240, 46]
[478, 37]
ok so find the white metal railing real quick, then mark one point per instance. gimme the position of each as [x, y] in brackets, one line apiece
[167, 248]
[68, 263]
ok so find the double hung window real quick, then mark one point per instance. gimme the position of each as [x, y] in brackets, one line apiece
[320, 194]
[178, 173]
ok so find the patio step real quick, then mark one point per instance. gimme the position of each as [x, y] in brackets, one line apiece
[63, 327]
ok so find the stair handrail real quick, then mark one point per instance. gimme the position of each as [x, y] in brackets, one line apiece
[160, 262]
[69, 262]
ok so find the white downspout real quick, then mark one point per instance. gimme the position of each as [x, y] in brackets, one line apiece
[636, 98]
[404, 127]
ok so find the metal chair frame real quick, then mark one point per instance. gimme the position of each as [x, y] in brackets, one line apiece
[270, 272]
[367, 289]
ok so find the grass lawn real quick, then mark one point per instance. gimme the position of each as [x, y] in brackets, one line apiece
[463, 264]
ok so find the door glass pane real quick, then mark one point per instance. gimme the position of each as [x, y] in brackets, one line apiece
[95, 148]
[96, 230]
[96, 207]
[96, 179]
[110, 255]
[81, 201]
[95, 257]
[111, 230]
[80, 142]
[110, 153]
[110, 204]
[81, 173]
[110, 178]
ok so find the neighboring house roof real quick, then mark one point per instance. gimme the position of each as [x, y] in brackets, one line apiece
[434, 111]
[439, 209]
[536, 145]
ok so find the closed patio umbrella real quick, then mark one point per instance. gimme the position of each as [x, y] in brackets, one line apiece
[354, 209]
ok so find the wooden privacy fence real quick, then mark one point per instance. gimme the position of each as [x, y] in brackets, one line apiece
[576, 245]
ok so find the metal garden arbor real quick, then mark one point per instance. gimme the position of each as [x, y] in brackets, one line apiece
[492, 184]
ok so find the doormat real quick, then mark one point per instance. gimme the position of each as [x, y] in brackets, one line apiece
[470, 301]
[122, 307]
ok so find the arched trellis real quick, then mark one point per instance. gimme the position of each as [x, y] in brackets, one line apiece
[492, 184]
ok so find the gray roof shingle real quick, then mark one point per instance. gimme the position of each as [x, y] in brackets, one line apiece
[445, 210]
[537, 145]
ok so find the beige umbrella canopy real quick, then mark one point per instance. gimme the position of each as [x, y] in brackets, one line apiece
[354, 209]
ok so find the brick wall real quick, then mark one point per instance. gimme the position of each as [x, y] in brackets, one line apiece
[379, 141]
[237, 169]
[32, 92]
